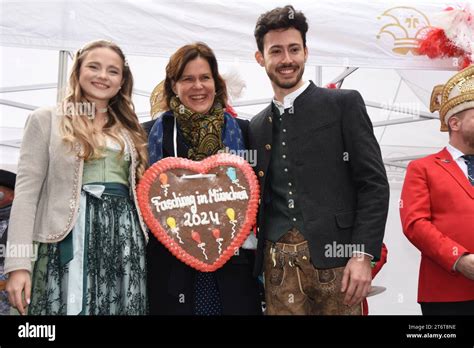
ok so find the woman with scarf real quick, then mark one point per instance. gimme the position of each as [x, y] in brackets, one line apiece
[195, 126]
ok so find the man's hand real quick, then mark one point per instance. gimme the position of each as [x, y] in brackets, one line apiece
[466, 266]
[356, 279]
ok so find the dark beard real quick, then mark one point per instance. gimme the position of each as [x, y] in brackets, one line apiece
[287, 84]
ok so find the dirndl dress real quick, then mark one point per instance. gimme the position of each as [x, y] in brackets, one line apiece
[99, 268]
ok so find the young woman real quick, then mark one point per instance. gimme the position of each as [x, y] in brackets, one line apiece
[75, 196]
[195, 126]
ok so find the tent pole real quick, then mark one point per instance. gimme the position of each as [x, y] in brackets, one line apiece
[347, 71]
[27, 88]
[17, 104]
[318, 76]
[62, 75]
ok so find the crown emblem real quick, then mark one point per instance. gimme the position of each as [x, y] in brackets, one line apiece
[407, 26]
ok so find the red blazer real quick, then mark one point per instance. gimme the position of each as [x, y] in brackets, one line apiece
[378, 266]
[437, 213]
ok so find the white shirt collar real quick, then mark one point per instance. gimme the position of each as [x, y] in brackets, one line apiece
[290, 98]
[455, 153]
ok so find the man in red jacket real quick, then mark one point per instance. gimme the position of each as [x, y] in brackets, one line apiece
[437, 205]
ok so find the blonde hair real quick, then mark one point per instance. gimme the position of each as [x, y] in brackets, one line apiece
[76, 127]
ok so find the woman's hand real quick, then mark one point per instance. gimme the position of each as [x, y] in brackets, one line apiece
[19, 281]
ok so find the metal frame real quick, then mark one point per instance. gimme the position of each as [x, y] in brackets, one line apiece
[62, 81]
[28, 88]
[62, 75]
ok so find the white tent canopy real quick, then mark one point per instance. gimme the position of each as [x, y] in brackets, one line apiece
[342, 33]
[376, 36]
[356, 33]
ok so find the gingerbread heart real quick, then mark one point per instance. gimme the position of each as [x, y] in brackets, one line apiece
[201, 211]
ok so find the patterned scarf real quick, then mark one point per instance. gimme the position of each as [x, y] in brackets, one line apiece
[203, 132]
[231, 136]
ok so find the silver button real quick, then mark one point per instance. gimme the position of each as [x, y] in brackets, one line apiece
[290, 193]
[284, 130]
[289, 184]
[286, 169]
[294, 219]
[284, 156]
[283, 143]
